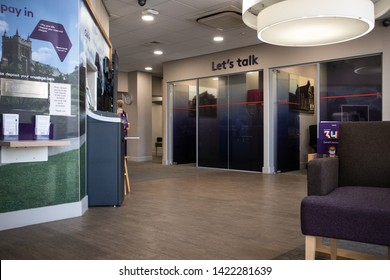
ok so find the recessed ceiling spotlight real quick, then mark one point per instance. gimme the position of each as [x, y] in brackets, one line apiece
[148, 68]
[158, 52]
[147, 17]
[218, 39]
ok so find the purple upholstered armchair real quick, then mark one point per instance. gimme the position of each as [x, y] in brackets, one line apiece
[349, 196]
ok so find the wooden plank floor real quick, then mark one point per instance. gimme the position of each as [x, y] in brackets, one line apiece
[176, 212]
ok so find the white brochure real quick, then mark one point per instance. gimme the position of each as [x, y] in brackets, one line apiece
[10, 124]
[42, 125]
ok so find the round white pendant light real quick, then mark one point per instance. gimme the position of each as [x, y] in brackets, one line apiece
[304, 23]
[251, 8]
[381, 7]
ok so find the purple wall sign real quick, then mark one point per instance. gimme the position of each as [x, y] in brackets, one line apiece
[328, 138]
[54, 33]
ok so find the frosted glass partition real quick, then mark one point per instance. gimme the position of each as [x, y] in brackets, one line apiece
[246, 122]
[351, 89]
[218, 121]
[184, 121]
[213, 122]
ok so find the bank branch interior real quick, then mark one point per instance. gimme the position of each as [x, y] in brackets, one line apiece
[272, 137]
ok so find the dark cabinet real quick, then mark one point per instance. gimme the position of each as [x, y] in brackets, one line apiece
[105, 159]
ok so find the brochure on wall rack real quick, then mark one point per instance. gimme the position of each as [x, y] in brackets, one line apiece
[10, 126]
[328, 141]
[42, 127]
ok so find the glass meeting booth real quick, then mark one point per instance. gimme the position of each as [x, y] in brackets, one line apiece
[342, 90]
[218, 121]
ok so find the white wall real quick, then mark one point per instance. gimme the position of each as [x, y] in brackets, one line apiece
[157, 86]
[140, 116]
[157, 113]
[270, 57]
[157, 127]
[145, 118]
[123, 82]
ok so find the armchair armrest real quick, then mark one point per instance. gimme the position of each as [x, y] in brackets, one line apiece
[322, 176]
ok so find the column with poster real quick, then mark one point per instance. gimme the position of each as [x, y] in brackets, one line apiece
[39, 80]
[327, 142]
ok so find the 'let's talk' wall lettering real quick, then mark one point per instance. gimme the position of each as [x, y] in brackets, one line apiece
[230, 64]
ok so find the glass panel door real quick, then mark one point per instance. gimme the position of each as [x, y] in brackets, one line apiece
[246, 121]
[351, 89]
[287, 130]
[228, 111]
[213, 123]
[184, 122]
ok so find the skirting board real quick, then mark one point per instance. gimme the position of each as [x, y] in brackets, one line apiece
[40, 215]
[139, 159]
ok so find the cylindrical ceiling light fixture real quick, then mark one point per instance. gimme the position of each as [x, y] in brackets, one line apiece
[251, 8]
[381, 7]
[305, 23]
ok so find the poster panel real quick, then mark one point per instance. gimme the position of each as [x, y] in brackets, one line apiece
[39, 76]
[328, 139]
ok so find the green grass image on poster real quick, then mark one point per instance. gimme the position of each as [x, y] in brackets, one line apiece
[39, 184]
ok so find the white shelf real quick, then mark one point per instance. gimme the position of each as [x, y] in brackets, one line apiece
[34, 143]
[27, 150]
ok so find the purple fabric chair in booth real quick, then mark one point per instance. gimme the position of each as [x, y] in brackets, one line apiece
[349, 195]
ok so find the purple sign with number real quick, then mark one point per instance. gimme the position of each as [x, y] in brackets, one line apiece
[328, 138]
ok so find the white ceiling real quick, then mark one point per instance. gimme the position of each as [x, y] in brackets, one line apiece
[175, 28]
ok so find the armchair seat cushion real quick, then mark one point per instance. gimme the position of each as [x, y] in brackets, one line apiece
[352, 213]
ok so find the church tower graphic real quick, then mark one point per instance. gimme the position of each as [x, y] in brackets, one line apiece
[16, 53]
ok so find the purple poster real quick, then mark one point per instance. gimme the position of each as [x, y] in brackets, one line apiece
[54, 33]
[328, 141]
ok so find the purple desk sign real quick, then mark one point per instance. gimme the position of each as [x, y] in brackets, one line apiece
[54, 33]
[328, 139]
